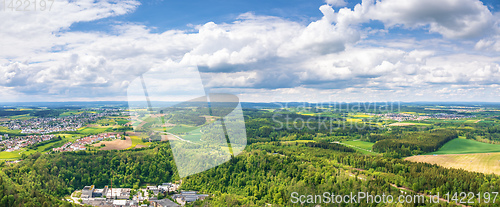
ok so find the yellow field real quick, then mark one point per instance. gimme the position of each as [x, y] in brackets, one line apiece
[362, 116]
[410, 112]
[354, 120]
[488, 163]
[136, 140]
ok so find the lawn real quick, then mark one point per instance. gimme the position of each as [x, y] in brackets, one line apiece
[466, 146]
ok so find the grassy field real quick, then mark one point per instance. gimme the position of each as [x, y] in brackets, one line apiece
[121, 121]
[362, 116]
[5, 130]
[299, 141]
[136, 140]
[22, 117]
[70, 113]
[10, 155]
[181, 129]
[484, 162]
[193, 136]
[92, 130]
[466, 146]
[361, 146]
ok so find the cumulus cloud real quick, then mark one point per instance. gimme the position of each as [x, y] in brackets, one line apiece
[253, 55]
[337, 3]
[451, 18]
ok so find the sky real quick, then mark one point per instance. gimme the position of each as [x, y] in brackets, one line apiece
[259, 50]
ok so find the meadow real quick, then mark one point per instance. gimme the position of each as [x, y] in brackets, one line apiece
[361, 146]
[136, 140]
[92, 130]
[466, 146]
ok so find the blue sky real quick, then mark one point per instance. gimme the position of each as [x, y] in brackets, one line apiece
[387, 50]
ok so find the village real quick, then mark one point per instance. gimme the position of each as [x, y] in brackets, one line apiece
[413, 117]
[17, 143]
[79, 144]
[59, 124]
[164, 195]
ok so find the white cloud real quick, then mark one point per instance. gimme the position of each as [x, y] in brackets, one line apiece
[336, 3]
[254, 55]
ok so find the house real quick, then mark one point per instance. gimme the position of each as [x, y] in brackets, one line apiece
[189, 196]
[153, 188]
[163, 203]
[87, 191]
[120, 203]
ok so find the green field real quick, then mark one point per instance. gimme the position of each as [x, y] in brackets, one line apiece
[181, 129]
[138, 140]
[92, 130]
[194, 136]
[22, 117]
[70, 113]
[361, 146]
[466, 146]
[121, 121]
[5, 130]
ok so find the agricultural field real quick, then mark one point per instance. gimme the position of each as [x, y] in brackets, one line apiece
[117, 144]
[92, 130]
[409, 124]
[466, 146]
[482, 162]
[298, 141]
[361, 146]
[70, 113]
[361, 116]
[136, 141]
[181, 129]
[22, 117]
[5, 130]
